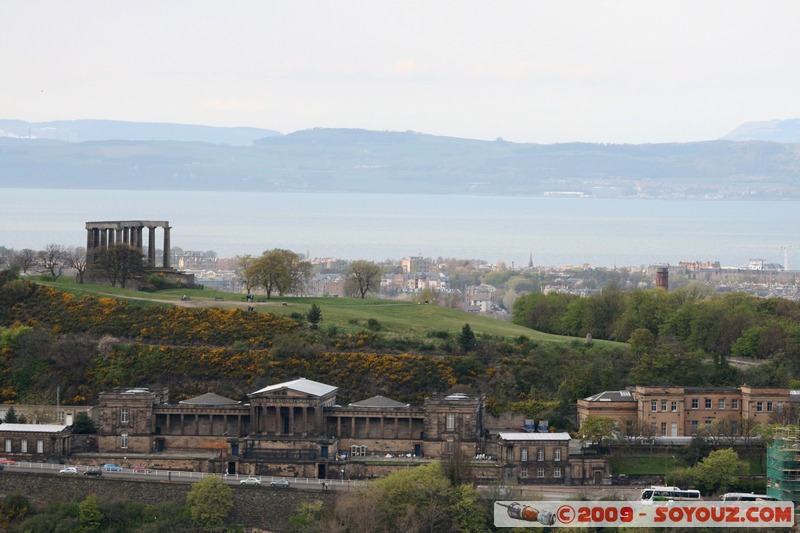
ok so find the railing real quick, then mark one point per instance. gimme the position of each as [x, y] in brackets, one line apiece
[181, 475]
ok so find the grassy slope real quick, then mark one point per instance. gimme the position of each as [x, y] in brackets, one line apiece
[395, 318]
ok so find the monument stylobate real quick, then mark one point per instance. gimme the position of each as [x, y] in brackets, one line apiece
[101, 235]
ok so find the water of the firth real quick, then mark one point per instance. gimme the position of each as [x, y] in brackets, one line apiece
[554, 231]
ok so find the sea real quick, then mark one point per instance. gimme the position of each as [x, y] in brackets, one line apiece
[544, 231]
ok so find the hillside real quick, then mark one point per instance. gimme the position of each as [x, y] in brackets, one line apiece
[346, 160]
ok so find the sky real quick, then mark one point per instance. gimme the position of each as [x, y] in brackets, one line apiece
[534, 71]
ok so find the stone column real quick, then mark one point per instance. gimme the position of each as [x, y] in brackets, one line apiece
[119, 239]
[89, 246]
[132, 237]
[151, 247]
[139, 238]
[104, 238]
[167, 252]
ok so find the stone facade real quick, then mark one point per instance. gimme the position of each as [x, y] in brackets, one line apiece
[297, 429]
[683, 411]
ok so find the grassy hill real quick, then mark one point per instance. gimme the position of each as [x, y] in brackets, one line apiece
[394, 318]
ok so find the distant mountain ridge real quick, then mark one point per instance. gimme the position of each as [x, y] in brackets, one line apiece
[779, 131]
[356, 160]
[77, 131]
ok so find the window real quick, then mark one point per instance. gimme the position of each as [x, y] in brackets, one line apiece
[779, 407]
[523, 472]
[694, 427]
[540, 472]
[123, 415]
[540, 454]
[663, 429]
[653, 405]
[694, 403]
[557, 454]
[450, 423]
[557, 472]
[653, 428]
[734, 427]
[23, 446]
[708, 403]
[759, 406]
[663, 405]
[735, 403]
[123, 440]
[8, 445]
[60, 417]
[523, 456]
[721, 403]
[629, 427]
[769, 407]
[40, 446]
[674, 406]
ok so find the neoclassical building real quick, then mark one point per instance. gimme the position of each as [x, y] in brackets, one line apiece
[682, 411]
[296, 428]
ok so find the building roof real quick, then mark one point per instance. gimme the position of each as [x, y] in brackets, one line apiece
[34, 428]
[209, 398]
[611, 396]
[542, 437]
[380, 402]
[301, 385]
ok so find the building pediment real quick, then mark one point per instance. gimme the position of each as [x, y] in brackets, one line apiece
[298, 388]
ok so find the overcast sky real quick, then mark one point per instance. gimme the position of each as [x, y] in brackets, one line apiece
[635, 71]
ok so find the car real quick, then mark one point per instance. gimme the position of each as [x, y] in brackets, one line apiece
[69, 470]
[93, 472]
[141, 470]
[6, 461]
[279, 483]
[112, 468]
[250, 480]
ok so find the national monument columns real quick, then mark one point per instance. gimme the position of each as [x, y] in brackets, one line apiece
[101, 235]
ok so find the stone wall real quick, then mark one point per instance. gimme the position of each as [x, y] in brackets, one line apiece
[254, 507]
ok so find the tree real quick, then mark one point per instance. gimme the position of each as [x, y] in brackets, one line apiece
[76, 258]
[11, 416]
[467, 339]
[209, 503]
[119, 264]
[314, 316]
[24, 260]
[364, 276]
[83, 424]
[720, 471]
[596, 428]
[53, 259]
[278, 270]
[90, 516]
[417, 499]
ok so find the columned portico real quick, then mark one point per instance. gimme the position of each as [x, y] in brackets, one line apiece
[102, 235]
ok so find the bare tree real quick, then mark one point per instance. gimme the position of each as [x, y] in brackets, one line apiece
[53, 259]
[364, 276]
[119, 263]
[76, 258]
[24, 260]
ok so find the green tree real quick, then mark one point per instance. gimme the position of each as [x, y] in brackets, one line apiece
[209, 503]
[277, 270]
[11, 416]
[90, 516]
[363, 276]
[119, 264]
[467, 339]
[83, 424]
[720, 471]
[314, 316]
[596, 428]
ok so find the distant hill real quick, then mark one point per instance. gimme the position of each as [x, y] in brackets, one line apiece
[779, 131]
[354, 160]
[77, 131]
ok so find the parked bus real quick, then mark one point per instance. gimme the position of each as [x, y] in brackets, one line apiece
[747, 497]
[666, 494]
